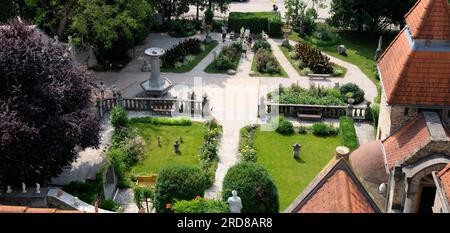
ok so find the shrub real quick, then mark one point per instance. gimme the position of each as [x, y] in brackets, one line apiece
[200, 205]
[179, 182]
[338, 72]
[375, 111]
[313, 96]
[109, 205]
[274, 26]
[209, 16]
[266, 62]
[181, 28]
[119, 117]
[324, 129]
[180, 51]
[358, 93]
[255, 187]
[261, 44]
[285, 127]
[143, 194]
[222, 62]
[314, 59]
[247, 149]
[209, 151]
[217, 25]
[347, 132]
[87, 191]
[133, 149]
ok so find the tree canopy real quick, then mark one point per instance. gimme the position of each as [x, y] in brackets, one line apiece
[45, 107]
[372, 16]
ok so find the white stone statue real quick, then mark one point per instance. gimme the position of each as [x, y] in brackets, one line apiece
[76, 201]
[38, 188]
[234, 203]
[242, 32]
[8, 189]
[24, 188]
[247, 33]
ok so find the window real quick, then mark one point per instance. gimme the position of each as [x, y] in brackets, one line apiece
[406, 111]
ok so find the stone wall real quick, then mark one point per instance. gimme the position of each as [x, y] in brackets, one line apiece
[392, 118]
[384, 121]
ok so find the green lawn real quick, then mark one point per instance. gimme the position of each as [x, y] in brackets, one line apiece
[286, 52]
[361, 49]
[190, 65]
[291, 177]
[282, 72]
[211, 69]
[157, 157]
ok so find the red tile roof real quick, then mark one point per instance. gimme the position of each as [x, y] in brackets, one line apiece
[415, 77]
[24, 209]
[444, 176]
[405, 142]
[339, 194]
[334, 190]
[430, 19]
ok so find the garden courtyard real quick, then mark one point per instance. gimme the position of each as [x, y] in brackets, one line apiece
[239, 82]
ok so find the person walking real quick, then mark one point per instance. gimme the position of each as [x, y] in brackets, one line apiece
[245, 48]
[224, 34]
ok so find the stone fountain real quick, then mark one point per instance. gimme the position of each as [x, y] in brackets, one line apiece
[156, 86]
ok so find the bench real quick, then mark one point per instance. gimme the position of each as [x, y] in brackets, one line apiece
[319, 76]
[310, 114]
[165, 108]
[146, 181]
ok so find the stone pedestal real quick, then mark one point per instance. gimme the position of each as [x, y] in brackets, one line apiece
[156, 86]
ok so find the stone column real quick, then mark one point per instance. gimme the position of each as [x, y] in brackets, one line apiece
[342, 152]
[155, 75]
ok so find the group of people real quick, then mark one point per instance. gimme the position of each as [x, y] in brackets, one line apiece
[247, 40]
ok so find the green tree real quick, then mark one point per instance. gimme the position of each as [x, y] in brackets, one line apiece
[169, 8]
[111, 28]
[372, 16]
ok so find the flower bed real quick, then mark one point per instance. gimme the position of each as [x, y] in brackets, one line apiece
[247, 149]
[312, 96]
[316, 59]
[209, 151]
[264, 62]
[186, 55]
[227, 59]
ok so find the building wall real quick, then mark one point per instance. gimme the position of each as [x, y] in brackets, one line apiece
[392, 118]
[384, 122]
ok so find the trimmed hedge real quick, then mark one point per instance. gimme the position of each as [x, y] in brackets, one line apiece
[254, 186]
[200, 205]
[162, 121]
[257, 22]
[324, 129]
[176, 183]
[347, 132]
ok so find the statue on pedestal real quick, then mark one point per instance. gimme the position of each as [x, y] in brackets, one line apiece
[24, 188]
[234, 203]
[8, 189]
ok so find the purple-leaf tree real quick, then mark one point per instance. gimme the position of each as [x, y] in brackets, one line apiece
[46, 111]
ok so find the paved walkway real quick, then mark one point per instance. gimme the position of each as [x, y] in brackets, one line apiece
[125, 198]
[364, 132]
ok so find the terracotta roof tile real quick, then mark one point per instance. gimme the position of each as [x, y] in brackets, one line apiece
[444, 176]
[24, 209]
[403, 143]
[415, 77]
[339, 194]
[430, 19]
[418, 77]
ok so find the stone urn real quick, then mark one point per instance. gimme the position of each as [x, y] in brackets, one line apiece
[286, 31]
